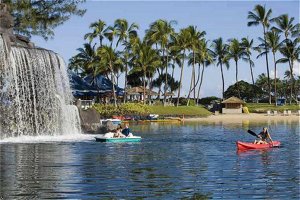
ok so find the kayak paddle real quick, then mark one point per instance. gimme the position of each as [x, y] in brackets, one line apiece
[252, 133]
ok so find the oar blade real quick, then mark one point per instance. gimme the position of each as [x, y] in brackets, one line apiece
[252, 133]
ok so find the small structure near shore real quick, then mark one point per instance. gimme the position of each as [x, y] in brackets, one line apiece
[233, 105]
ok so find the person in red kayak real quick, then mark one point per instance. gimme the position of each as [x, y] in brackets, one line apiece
[264, 137]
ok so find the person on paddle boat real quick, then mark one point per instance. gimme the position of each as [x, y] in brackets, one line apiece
[126, 131]
[118, 133]
[264, 137]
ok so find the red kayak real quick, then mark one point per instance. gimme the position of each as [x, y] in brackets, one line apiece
[247, 145]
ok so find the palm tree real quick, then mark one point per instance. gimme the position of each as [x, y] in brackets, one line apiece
[110, 33]
[176, 57]
[235, 52]
[109, 60]
[247, 44]
[262, 16]
[285, 25]
[160, 32]
[181, 43]
[124, 33]
[273, 41]
[86, 60]
[220, 51]
[290, 50]
[205, 58]
[146, 62]
[98, 31]
[195, 37]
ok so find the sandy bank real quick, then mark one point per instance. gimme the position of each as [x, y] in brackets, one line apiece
[233, 118]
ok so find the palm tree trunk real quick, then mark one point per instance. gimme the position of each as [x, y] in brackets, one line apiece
[180, 82]
[149, 95]
[236, 78]
[275, 89]
[268, 71]
[159, 89]
[192, 81]
[292, 77]
[292, 82]
[125, 82]
[223, 85]
[113, 87]
[144, 87]
[251, 70]
[172, 78]
[190, 90]
[195, 84]
[166, 81]
[198, 95]
[194, 76]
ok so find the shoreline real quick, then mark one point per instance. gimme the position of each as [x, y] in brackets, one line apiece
[234, 118]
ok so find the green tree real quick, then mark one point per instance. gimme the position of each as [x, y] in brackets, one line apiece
[124, 33]
[176, 57]
[42, 17]
[290, 51]
[262, 16]
[247, 44]
[160, 32]
[273, 41]
[181, 43]
[85, 61]
[146, 62]
[285, 25]
[248, 91]
[236, 52]
[98, 28]
[205, 58]
[262, 83]
[195, 37]
[220, 53]
[110, 33]
[109, 61]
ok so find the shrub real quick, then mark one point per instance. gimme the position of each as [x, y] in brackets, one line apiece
[192, 102]
[124, 109]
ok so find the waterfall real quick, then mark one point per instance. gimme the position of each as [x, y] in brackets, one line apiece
[35, 94]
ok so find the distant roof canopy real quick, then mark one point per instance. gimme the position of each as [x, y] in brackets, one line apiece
[139, 90]
[90, 86]
[233, 100]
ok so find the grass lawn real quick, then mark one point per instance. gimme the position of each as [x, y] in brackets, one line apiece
[180, 110]
[264, 107]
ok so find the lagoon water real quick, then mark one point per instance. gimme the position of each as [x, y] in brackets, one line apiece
[173, 161]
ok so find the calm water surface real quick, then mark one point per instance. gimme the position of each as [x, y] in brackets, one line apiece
[173, 161]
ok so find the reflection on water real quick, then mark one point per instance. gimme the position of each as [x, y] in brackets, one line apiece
[173, 161]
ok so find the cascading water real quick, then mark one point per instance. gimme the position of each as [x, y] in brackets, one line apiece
[35, 94]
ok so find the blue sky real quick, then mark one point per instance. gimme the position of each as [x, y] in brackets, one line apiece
[226, 19]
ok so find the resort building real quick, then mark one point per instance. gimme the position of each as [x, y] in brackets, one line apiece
[232, 105]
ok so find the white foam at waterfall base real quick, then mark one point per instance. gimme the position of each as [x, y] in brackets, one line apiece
[50, 139]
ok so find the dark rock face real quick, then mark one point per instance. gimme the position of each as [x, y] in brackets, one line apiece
[90, 122]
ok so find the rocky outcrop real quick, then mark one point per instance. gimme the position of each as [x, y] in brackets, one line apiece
[90, 122]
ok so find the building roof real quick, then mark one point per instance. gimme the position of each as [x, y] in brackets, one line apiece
[139, 90]
[233, 100]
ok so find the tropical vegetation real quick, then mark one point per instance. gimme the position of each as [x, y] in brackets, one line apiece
[113, 50]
